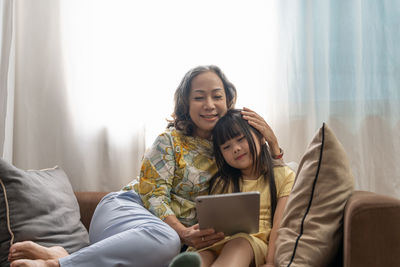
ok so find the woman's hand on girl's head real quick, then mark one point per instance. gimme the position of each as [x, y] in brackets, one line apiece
[194, 237]
[262, 126]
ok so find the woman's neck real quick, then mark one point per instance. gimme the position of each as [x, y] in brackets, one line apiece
[202, 134]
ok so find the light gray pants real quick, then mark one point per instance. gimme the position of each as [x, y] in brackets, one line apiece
[124, 233]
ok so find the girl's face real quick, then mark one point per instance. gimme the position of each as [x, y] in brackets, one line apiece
[207, 103]
[236, 153]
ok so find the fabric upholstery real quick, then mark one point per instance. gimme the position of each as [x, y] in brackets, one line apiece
[357, 233]
[371, 230]
[87, 204]
[39, 206]
[311, 229]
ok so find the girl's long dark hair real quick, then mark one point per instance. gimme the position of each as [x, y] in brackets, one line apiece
[228, 127]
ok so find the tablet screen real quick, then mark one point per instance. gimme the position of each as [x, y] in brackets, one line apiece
[229, 213]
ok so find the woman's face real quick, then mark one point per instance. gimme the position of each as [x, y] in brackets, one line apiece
[207, 103]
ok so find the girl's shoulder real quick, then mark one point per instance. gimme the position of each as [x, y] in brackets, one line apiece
[284, 173]
[284, 180]
[283, 169]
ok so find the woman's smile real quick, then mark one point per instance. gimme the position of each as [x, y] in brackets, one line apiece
[210, 117]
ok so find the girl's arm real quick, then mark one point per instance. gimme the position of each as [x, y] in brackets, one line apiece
[280, 207]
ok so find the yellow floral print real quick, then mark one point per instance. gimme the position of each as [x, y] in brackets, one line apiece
[175, 170]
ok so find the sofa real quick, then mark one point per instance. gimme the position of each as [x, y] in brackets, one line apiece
[371, 228]
[325, 222]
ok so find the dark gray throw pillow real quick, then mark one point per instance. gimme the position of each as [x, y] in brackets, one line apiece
[39, 206]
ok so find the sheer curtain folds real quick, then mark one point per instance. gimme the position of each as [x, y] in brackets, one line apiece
[340, 64]
[95, 79]
[6, 75]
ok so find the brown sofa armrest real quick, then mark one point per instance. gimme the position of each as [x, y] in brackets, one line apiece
[87, 204]
[371, 230]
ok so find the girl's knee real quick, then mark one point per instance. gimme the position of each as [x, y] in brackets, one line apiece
[239, 242]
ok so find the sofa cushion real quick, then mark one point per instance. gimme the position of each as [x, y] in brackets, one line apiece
[311, 229]
[39, 206]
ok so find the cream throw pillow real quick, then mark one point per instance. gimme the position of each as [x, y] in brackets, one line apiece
[311, 229]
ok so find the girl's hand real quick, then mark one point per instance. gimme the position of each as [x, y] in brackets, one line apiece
[194, 237]
[262, 126]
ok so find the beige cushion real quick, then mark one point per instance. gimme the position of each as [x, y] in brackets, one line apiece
[311, 229]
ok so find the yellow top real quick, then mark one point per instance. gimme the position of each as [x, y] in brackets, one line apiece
[284, 179]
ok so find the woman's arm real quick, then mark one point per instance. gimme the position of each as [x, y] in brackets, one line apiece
[280, 207]
[262, 126]
[157, 177]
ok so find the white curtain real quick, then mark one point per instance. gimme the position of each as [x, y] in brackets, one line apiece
[6, 78]
[55, 122]
[340, 65]
[94, 80]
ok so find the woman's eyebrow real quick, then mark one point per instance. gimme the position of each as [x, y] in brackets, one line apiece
[202, 90]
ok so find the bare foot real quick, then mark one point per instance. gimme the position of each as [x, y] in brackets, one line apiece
[33, 251]
[35, 263]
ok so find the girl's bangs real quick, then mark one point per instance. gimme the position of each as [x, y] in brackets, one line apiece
[228, 129]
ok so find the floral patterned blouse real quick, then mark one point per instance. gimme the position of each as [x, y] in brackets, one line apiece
[175, 170]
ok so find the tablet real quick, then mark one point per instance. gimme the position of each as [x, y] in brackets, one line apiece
[229, 213]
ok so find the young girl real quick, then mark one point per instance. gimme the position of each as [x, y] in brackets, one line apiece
[245, 164]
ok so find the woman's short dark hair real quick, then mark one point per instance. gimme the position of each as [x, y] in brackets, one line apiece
[181, 118]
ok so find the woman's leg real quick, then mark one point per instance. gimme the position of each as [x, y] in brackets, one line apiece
[236, 252]
[123, 233]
